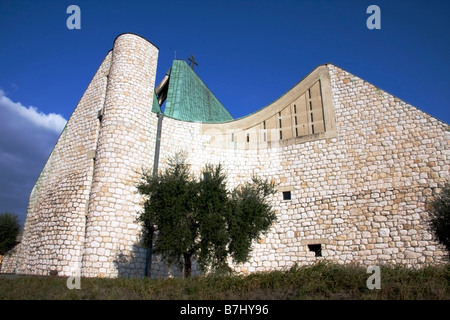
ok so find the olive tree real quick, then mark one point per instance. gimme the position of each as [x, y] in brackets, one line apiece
[9, 230]
[185, 217]
[439, 213]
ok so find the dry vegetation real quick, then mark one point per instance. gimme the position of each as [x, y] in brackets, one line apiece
[321, 281]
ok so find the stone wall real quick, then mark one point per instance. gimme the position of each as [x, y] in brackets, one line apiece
[359, 195]
[53, 237]
[358, 187]
[8, 262]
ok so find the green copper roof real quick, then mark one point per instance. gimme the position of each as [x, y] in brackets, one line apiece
[189, 99]
[155, 106]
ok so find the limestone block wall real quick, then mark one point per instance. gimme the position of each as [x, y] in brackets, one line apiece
[359, 195]
[8, 262]
[125, 146]
[53, 237]
[391, 157]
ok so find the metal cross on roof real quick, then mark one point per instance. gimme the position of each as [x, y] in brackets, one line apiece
[192, 61]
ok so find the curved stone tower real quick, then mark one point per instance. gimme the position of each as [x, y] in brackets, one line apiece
[81, 213]
[125, 144]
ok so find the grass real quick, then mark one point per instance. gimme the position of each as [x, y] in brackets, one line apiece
[320, 281]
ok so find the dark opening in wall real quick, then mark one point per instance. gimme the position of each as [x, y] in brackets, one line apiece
[100, 114]
[316, 248]
[286, 195]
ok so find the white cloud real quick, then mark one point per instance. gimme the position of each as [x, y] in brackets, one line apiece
[52, 121]
[27, 136]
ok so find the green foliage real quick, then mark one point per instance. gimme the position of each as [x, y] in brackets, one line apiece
[212, 210]
[185, 217]
[250, 215]
[439, 211]
[168, 217]
[9, 230]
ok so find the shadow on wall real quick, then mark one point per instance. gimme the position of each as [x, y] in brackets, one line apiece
[131, 264]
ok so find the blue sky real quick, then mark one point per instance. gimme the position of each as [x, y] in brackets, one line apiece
[249, 54]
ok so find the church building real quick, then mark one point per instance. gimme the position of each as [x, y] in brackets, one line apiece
[354, 168]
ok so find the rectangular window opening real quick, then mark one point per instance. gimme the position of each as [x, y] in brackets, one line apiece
[295, 108]
[296, 132]
[295, 118]
[309, 93]
[265, 137]
[232, 137]
[316, 248]
[281, 135]
[264, 125]
[286, 195]
[280, 122]
[312, 129]
[310, 105]
[312, 117]
[248, 137]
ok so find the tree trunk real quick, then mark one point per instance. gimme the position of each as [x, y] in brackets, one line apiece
[187, 265]
[148, 262]
[148, 258]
